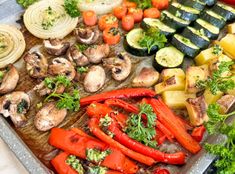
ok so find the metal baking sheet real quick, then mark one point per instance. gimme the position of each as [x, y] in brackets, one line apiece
[10, 12]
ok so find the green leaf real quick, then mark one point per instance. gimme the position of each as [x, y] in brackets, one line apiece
[143, 4]
[71, 8]
[26, 3]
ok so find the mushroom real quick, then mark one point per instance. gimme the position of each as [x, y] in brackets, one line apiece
[49, 116]
[87, 35]
[15, 105]
[94, 79]
[146, 78]
[61, 66]
[56, 47]
[120, 66]
[36, 64]
[96, 53]
[76, 56]
[9, 79]
[226, 102]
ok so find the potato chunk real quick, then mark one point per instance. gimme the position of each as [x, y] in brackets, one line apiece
[167, 73]
[227, 43]
[205, 56]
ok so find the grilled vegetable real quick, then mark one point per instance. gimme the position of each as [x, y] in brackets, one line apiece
[172, 21]
[199, 5]
[210, 31]
[227, 43]
[226, 103]
[214, 64]
[231, 28]
[211, 98]
[152, 13]
[168, 57]
[197, 37]
[213, 18]
[183, 12]
[185, 45]
[227, 12]
[167, 73]
[209, 2]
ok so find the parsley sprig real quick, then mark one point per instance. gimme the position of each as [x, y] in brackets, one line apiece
[71, 8]
[217, 82]
[138, 130]
[143, 4]
[151, 38]
[26, 3]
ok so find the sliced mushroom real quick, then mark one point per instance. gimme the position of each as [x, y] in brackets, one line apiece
[197, 110]
[146, 78]
[49, 116]
[36, 65]
[9, 80]
[76, 56]
[96, 53]
[42, 90]
[120, 66]
[15, 105]
[61, 66]
[87, 35]
[226, 102]
[56, 47]
[94, 79]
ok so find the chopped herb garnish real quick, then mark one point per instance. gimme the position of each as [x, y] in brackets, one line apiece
[178, 14]
[71, 8]
[1, 75]
[54, 82]
[82, 69]
[105, 121]
[81, 47]
[97, 170]
[22, 106]
[96, 155]
[75, 164]
[217, 50]
[50, 16]
[26, 3]
[143, 4]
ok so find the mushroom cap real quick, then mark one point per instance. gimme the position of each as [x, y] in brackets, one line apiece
[76, 56]
[56, 47]
[88, 35]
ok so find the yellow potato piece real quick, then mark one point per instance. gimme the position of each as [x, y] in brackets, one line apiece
[227, 43]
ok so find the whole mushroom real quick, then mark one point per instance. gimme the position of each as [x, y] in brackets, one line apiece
[36, 64]
[56, 47]
[15, 105]
[76, 56]
[9, 79]
[88, 35]
[119, 65]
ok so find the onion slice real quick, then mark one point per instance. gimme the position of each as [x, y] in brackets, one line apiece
[99, 6]
[62, 25]
[12, 44]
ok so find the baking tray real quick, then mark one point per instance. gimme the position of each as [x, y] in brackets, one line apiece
[10, 12]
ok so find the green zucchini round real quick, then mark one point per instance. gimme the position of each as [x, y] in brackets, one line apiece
[213, 18]
[209, 2]
[227, 12]
[168, 57]
[194, 4]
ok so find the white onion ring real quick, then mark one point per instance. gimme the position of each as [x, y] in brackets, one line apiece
[99, 6]
[33, 18]
[15, 44]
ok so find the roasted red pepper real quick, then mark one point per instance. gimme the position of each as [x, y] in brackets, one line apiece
[123, 104]
[94, 128]
[231, 2]
[77, 145]
[198, 133]
[59, 163]
[161, 171]
[169, 120]
[164, 130]
[176, 158]
[120, 93]
[160, 137]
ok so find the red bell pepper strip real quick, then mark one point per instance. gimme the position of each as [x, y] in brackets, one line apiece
[123, 104]
[77, 145]
[164, 130]
[160, 137]
[184, 123]
[231, 2]
[161, 171]
[82, 133]
[94, 128]
[120, 93]
[198, 133]
[59, 163]
[169, 120]
[121, 137]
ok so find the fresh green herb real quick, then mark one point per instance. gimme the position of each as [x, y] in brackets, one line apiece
[26, 3]
[71, 8]
[217, 82]
[140, 131]
[22, 106]
[81, 47]
[143, 4]
[178, 14]
[75, 164]
[1, 75]
[105, 121]
[97, 170]
[82, 69]
[55, 82]
[225, 152]
[96, 155]
[152, 37]
[217, 50]
[50, 17]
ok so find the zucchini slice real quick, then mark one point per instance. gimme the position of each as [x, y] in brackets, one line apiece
[132, 46]
[227, 12]
[168, 57]
[173, 21]
[183, 12]
[197, 37]
[211, 31]
[209, 2]
[213, 18]
[185, 45]
[150, 22]
[196, 4]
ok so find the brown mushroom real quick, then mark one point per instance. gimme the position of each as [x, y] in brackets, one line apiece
[56, 47]
[76, 56]
[49, 116]
[9, 80]
[61, 66]
[146, 78]
[94, 79]
[88, 35]
[96, 53]
[36, 64]
[226, 102]
[15, 105]
[120, 66]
